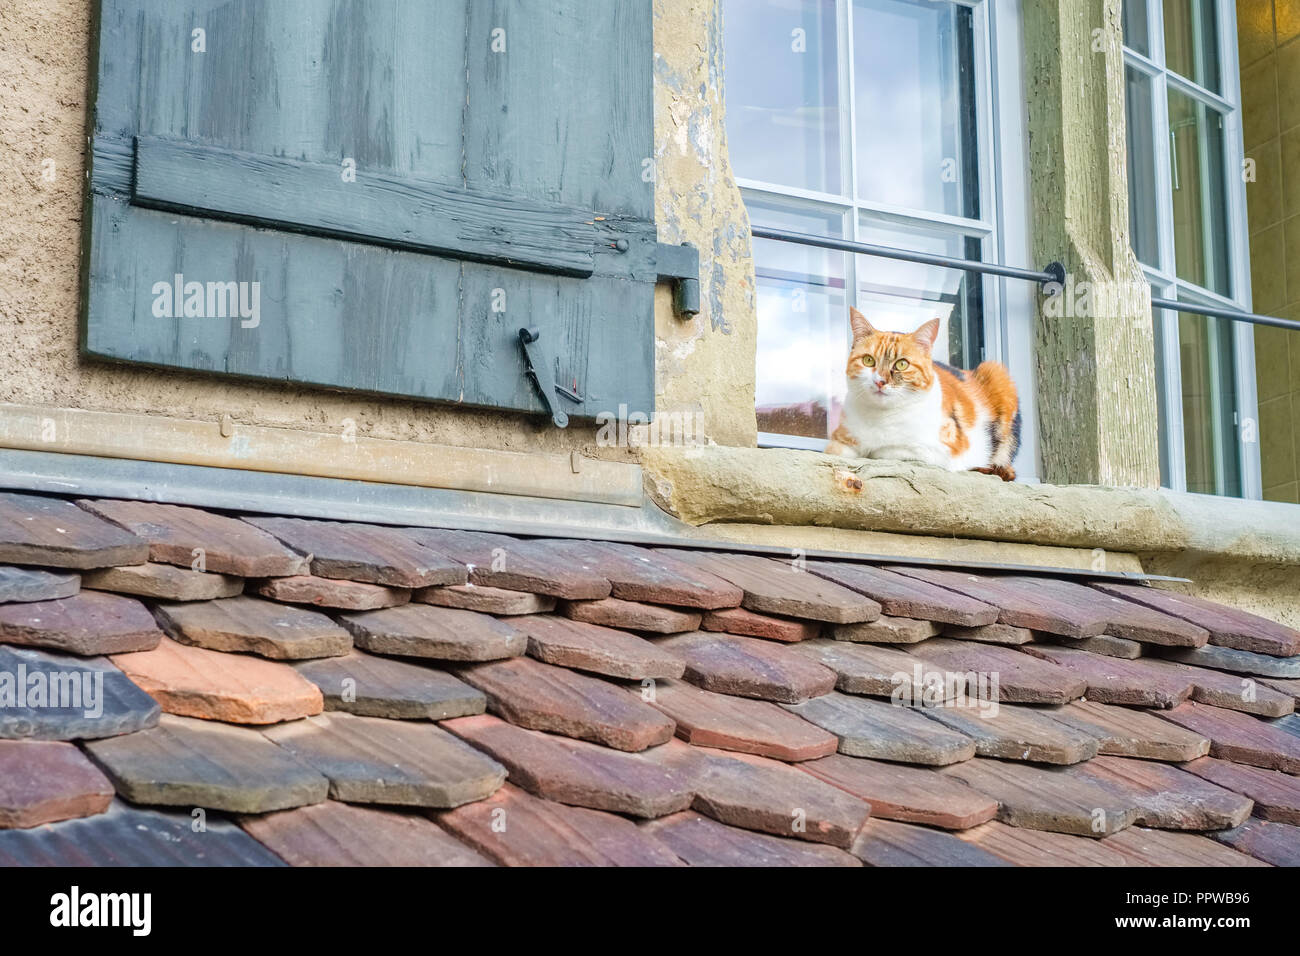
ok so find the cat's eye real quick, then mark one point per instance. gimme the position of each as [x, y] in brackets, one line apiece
[868, 361]
[901, 365]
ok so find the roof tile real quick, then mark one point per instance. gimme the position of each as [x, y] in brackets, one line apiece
[235, 688]
[886, 843]
[1107, 645]
[902, 596]
[371, 686]
[748, 726]
[1143, 847]
[704, 842]
[749, 667]
[1166, 797]
[886, 630]
[498, 561]
[876, 671]
[1275, 843]
[332, 593]
[1237, 692]
[359, 552]
[576, 772]
[600, 650]
[165, 581]
[1021, 679]
[118, 707]
[613, 612]
[1240, 737]
[992, 634]
[1110, 680]
[56, 533]
[191, 537]
[88, 623]
[514, 828]
[1276, 794]
[885, 731]
[200, 763]
[897, 791]
[746, 623]
[43, 781]
[1014, 732]
[253, 626]
[399, 762]
[778, 587]
[440, 633]
[32, 584]
[1285, 685]
[1228, 626]
[486, 600]
[539, 696]
[340, 834]
[1230, 659]
[1125, 732]
[1023, 847]
[641, 574]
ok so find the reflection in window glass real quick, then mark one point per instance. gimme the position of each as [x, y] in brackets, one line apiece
[1199, 193]
[1209, 405]
[783, 92]
[1141, 168]
[1136, 31]
[915, 104]
[803, 325]
[1192, 41]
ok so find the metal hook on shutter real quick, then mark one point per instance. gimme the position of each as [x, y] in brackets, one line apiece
[541, 371]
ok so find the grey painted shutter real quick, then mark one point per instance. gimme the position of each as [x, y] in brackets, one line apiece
[494, 190]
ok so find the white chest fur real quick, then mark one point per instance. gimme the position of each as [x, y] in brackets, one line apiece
[906, 425]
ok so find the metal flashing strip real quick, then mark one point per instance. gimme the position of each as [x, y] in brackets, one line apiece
[302, 496]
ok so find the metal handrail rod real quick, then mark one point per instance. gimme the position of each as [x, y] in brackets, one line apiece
[1218, 312]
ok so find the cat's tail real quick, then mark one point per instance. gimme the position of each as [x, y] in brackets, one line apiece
[1000, 396]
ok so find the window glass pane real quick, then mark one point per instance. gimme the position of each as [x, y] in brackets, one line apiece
[1192, 41]
[1142, 220]
[782, 88]
[1199, 192]
[915, 105]
[803, 324]
[1135, 26]
[1209, 405]
[898, 296]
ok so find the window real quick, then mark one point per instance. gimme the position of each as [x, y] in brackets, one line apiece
[892, 122]
[1187, 224]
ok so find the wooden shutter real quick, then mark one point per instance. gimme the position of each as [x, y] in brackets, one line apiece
[495, 189]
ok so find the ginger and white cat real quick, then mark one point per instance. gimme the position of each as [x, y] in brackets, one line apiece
[903, 404]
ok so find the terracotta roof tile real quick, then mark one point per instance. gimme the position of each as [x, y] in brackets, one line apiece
[1274, 843]
[1230, 659]
[367, 553]
[1285, 685]
[165, 581]
[1166, 797]
[778, 587]
[886, 630]
[1021, 679]
[1125, 732]
[1043, 798]
[498, 561]
[886, 843]
[539, 696]
[897, 791]
[1228, 626]
[1240, 737]
[1276, 794]
[876, 671]
[1110, 680]
[1145, 847]
[992, 634]
[749, 667]
[340, 834]
[757, 793]
[902, 596]
[422, 630]
[746, 623]
[373, 686]
[1014, 732]
[474, 597]
[757, 727]
[200, 763]
[119, 707]
[613, 612]
[126, 836]
[1106, 645]
[1237, 692]
[641, 574]
[89, 623]
[43, 781]
[600, 650]
[1289, 724]
[331, 592]
[1022, 847]
[576, 772]
[704, 842]
[35, 529]
[235, 688]
[873, 728]
[398, 762]
[191, 537]
[253, 626]
[32, 584]
[514, 828]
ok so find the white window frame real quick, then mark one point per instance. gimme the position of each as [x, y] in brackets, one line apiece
[1164, 280]
[1008, 304]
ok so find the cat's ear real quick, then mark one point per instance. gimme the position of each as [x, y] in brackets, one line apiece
[861, 327]
[926, 334]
